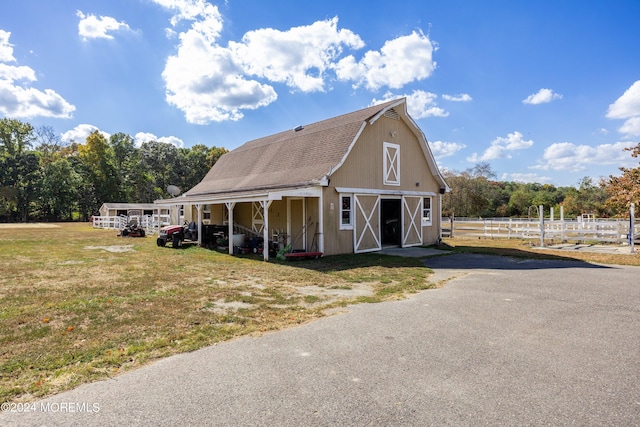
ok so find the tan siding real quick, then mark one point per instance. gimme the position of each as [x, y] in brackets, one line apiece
[336, 241]
[277, 217]
[363, 167]
[431, 234]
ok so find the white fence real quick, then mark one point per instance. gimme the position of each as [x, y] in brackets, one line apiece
[151, 223]
[582, 231]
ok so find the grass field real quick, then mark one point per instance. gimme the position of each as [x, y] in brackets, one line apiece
[79, 304]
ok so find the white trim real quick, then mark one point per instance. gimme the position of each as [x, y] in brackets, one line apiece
[422, 220]
[390, 163]
[384, 192]
[314, 191]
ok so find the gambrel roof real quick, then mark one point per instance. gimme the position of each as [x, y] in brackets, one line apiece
[298, 158]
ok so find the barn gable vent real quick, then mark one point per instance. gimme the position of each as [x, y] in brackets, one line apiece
[392, 114]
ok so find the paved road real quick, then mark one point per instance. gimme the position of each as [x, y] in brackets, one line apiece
[504, 342]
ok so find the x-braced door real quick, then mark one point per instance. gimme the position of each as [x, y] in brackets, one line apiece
[411, 221]
[366, 230]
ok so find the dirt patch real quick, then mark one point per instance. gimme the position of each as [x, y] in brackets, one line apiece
[113, 248]
[223, 307]
[330, 294]
[28, 225]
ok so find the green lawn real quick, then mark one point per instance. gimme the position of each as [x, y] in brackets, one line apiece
[79, 304]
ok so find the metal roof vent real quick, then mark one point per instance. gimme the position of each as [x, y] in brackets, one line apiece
[392, 114]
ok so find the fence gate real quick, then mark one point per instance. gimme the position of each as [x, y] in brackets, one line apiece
[366, 230]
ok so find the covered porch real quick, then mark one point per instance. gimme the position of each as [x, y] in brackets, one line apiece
[266, 222]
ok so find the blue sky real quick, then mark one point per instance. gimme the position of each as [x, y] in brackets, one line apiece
[544, 91]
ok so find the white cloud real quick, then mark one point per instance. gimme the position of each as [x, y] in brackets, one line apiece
[541, 97]
[6, 48]
[463, 97]
[142, 137]
[298, 57]
[204, 82]
[442, 149]
[570, 157]
[420, 104]
[98, 27]
[526, 178]
[211, 82]
[80, 133]
[20, 101]
[628, 107]
[202, 79]
[400, 61]
[208, 20]
[502, 148]
[631, 127]
[12, 73]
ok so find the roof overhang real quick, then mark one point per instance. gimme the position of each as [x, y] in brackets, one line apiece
[246, 196]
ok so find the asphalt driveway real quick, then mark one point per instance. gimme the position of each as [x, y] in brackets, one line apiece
[503, 342]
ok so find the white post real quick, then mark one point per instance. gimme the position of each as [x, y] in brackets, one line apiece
[321, 223]
[230, 206]
[541, 215]
[564, 226]
[265, 216]
[198, 207]
[632, 223]
[551, 214]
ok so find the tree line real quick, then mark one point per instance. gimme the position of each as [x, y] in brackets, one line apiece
[476, 193]
[43, 179]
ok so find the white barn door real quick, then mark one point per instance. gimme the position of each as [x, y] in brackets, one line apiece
[366, 230]
[411, 221]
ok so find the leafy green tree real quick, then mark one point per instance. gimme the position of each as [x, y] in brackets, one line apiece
[60, 189]
[97, 167]
[161, 162]
[19, 169]
[213, 155]
[624, 189]
[588, 198]
[126, 162]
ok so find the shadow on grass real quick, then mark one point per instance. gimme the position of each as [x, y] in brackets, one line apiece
[332, 263]
[479, 257]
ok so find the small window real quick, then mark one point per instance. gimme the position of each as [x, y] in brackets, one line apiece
[346, 213]
[426, 211]
[206, 212]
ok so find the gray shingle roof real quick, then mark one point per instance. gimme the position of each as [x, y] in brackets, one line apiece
[287, 159]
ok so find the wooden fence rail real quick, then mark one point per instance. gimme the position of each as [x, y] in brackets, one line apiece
[599, 230]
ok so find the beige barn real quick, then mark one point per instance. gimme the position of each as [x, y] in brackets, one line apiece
[350, 184]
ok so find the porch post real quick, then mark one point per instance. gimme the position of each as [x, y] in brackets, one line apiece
[321, 220]
[198, 206]
[230, 206]
[265, 229]
[632, 228]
